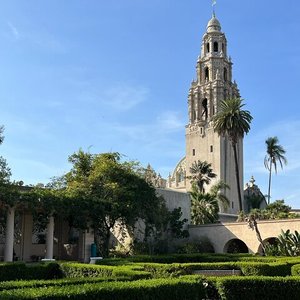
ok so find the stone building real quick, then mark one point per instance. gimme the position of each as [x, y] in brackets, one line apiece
[213, 84]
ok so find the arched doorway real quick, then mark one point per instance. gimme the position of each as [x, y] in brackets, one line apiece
[235, 246]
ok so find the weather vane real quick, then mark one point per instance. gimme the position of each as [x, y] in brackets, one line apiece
[214, 2]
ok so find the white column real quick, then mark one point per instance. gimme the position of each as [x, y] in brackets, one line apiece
[50, 238]
[9, 235]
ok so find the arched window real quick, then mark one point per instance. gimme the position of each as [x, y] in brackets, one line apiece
[207, 47]
[206, 73]
[204, 114]
[216, 47]
[225, 74]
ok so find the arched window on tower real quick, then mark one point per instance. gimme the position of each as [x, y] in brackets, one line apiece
[225, 74]
[207, 48]
[204, 113]
[206, 74]
[216, 47]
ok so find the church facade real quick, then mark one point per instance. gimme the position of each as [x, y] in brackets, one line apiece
[213, 84]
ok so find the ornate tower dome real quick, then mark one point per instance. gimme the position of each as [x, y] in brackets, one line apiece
[213, 25]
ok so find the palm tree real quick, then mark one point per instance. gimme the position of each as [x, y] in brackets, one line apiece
[205, 206]
[275, 154]
[202, 173]
[233, 122]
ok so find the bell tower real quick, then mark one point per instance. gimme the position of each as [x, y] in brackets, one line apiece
[212, 85]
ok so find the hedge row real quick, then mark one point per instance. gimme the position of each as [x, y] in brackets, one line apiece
[20, 284]
[196, 257]
[185, 287]
[77, 270]
[156, 289]
[247, 268]
[18, 271]
[267, 288]
[15, 271]
[187, 258]
[295, 270]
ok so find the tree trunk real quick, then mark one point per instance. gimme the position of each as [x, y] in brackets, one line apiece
[259, 236]
[237, 175]
[269, 188]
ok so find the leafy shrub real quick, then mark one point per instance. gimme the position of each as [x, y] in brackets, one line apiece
[190, 258]
[77, 270]
[295, 270]
[247, 268]
[183, 289]
[267, 288]
[20, 284]
[18, 270]
[202, 246]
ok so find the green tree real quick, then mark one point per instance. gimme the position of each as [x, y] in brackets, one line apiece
[254, 201]
[275, 154]
[202, 173]
[233, 122]
[205, 206]
[104, 191]
[1, 134]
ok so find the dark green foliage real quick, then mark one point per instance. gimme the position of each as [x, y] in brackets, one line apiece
[10, 285]
[15, 271]
[203, 245]
[287, 244]
[250, 288]
[188, 258]
[254, 201]
[183, 289]
[247, 268]
[202, 174]
[77, 270]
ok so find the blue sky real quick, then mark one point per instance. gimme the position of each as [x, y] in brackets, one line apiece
[114, 76]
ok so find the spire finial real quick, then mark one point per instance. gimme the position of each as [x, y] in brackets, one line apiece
[214, 2]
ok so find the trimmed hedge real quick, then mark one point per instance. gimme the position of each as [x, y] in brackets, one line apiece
[267, 288]
[20, 284]
[19, 270]
[247, 268]
[187, 258]
[195, 258]
[295, 270]
[185, 287]
[156, 289]
[77, 270]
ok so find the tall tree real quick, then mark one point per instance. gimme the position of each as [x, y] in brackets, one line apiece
[104, 192]
[205, 206]
[275, 154]
[1, 134]
[202, 173]
[233, 122]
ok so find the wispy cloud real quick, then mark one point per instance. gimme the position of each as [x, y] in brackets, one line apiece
[170, 120]
[42, 40]
[165, 124]
[13, 30]
[124, 97]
